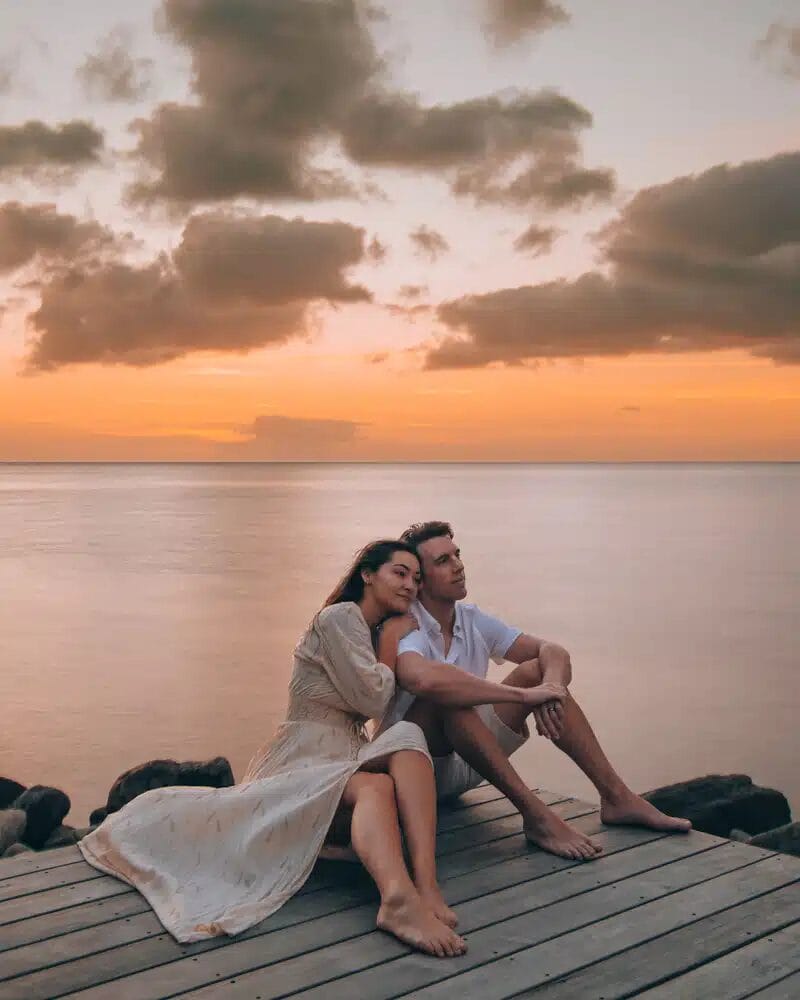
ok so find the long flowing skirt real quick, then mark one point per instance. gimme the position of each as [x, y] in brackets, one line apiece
[213, 861]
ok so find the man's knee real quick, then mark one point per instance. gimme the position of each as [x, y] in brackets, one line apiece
[526, 674]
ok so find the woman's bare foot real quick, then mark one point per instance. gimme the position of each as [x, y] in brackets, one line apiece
[407, 917]
[552, 834]
[632, 809]
[432, 897]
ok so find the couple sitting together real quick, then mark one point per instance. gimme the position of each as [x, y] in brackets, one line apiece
[395, 644]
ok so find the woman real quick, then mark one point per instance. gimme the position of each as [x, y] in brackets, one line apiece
[217, 861]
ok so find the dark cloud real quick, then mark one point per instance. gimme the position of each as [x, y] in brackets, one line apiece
[268, 259]
[509, 150]
[39, 231]
[701, 263]
[509, 20]
[537, 240]
[35, 147]
[781, 48]
[277, 81]
[234, 284]
[279, 438]
[112, 73]
[273, 79]
[429, 242]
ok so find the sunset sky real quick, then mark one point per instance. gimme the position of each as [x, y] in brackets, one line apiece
[516, 230]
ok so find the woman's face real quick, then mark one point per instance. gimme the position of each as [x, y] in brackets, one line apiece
[394, 585]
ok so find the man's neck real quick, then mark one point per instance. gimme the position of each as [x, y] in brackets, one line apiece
[444, 612]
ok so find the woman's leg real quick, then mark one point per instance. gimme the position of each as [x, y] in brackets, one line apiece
[415, 789]
[375, 836]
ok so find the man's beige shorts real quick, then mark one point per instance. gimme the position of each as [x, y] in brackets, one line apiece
[454, 775]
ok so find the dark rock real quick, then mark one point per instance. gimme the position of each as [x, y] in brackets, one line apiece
[97, 816]
[15, 849]
[143, 777]
[12, 826]
[718, 803]
[45, 808]
[9, 791]
[216, 773]
[62, 836]
[785, 839]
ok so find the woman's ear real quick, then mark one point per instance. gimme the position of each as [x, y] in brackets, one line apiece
[366, 576]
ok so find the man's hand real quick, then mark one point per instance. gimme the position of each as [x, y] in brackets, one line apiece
[548, 710]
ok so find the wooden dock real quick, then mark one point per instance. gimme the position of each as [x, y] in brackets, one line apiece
[656, 916]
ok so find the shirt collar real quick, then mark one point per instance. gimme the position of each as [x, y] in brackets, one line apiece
[429, 624]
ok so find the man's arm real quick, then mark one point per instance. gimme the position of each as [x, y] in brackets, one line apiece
[446, 684]
[554, 660]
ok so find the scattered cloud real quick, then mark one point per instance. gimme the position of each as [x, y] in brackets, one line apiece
[36, 148]
[28, 232]
[780, 47]
[630, 409]
[412, 291]
[377, 252]
[537, 240]
[9, 68]
[112, 73]
[235, 283]
[428, 242]
[507, 21]
[704, 262]
[276, 82]
[272, 437]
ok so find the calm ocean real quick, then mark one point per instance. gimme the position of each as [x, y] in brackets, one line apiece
[151, 610]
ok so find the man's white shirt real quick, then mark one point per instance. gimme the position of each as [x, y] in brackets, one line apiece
[477, 638]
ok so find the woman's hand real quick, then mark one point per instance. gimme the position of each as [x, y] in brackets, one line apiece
[399, 626]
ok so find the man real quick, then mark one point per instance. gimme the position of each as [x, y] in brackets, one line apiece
[472, 744]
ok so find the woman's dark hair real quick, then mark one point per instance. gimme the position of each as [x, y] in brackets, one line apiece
[371, 557]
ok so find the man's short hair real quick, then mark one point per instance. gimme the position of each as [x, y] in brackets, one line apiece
[416, 534]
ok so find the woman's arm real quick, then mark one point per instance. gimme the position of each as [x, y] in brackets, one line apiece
[446, 684]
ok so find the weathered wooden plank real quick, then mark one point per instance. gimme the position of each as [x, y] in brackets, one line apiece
[547, 909]
[47, 878]
[678, 951]
[136, 927]
[24, 864]
[486, 803]
[786, 989]
[564, 949]
[166, 961]
[734, 976]
[105, 886]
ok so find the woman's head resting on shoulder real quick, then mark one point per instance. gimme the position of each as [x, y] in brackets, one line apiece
[383, 578]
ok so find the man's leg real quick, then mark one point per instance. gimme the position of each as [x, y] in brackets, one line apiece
[618, 804]
[462, 730]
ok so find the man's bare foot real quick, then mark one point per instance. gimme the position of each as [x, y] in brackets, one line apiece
[407, 917]
[552, 834]
[432, 897]
[633, 810]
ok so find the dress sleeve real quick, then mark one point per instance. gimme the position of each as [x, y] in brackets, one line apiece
[364, 683]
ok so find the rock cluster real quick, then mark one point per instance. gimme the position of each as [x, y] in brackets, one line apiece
[730, 805]
[32, 819]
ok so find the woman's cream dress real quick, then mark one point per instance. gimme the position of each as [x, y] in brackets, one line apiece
[214, 861]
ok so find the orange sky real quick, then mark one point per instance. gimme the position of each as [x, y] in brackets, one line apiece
[721, 142]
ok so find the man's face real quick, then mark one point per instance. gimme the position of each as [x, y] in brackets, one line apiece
[443, 576]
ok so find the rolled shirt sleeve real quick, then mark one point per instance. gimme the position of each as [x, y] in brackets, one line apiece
[496, 634]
